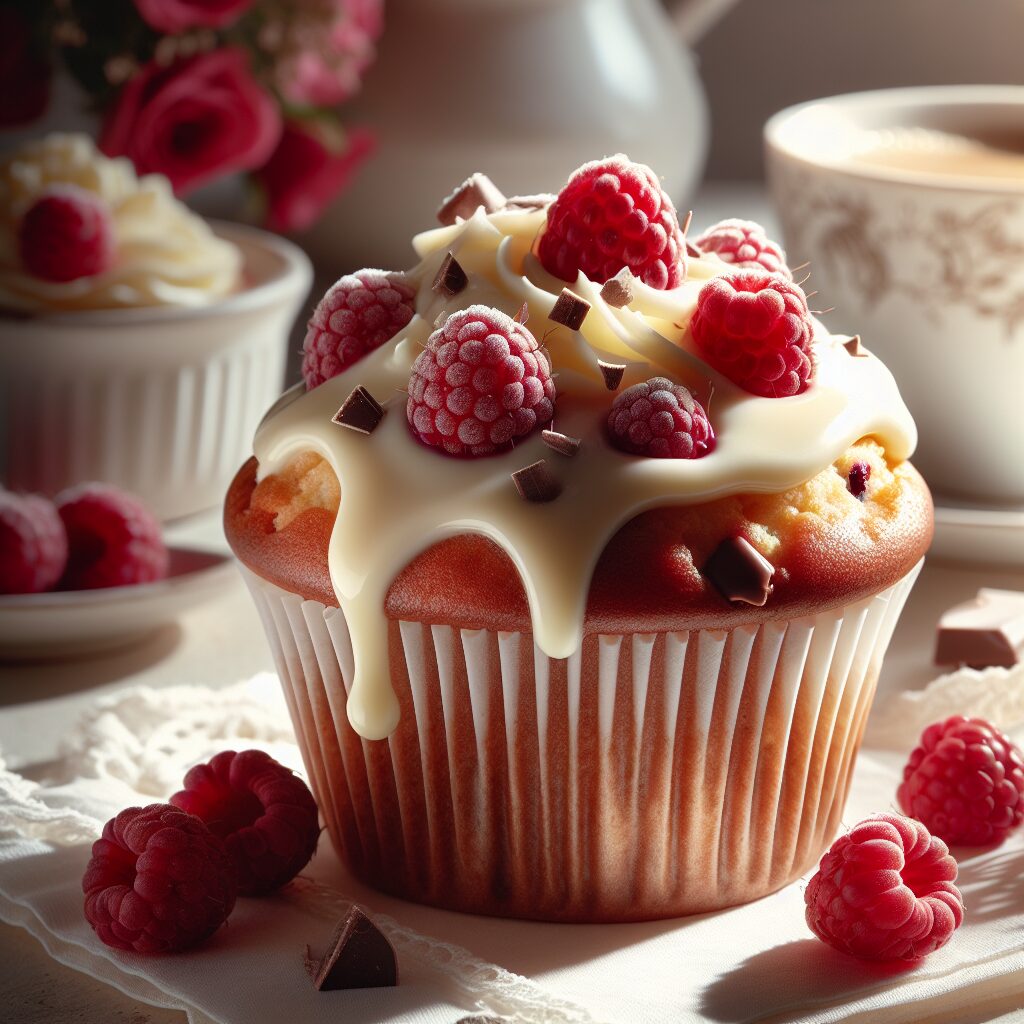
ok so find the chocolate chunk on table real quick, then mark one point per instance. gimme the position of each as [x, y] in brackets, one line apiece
[359, 956]
[537, 483]
[476, 191]
[739, 572]
[985, 632]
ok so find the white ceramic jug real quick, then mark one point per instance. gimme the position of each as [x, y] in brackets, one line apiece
[523, 90]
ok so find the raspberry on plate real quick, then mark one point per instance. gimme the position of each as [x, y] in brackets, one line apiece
[158, 881]
[113, 538]
[660, 419]
[359, 313]
[965, 782]
[755, 328]
[33, 544]
[884, 891]
[264, 813]
[611, 214]
[744, 243]
[67, 233]
[481, 383]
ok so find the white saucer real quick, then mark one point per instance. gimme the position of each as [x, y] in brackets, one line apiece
[60, 624]
[985, 536]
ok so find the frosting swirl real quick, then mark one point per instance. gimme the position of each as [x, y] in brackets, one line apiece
[166, 255]
[399, 498]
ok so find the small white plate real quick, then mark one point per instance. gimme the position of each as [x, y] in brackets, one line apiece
[982, 536]
[63, 623]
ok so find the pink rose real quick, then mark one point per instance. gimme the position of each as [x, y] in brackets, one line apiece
[179, 15]
[193, 121]
[308, 169]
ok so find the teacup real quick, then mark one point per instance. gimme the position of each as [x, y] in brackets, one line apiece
[909, 206]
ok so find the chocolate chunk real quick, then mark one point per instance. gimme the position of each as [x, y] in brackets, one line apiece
[857, 480]
[537, 483]
[985, 631]
[617, 291]
[523, 315]
[739, 572]
[537, 202]
[693, 251]
[360, 411]
[476, 191]
[561, 443]
[451, 278]
[569, 310]
[612, 373]
[359, 956]
[853, 346]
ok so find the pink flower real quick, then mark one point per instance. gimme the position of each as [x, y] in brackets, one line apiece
[179, 15]
[193, 121]
[308, 169]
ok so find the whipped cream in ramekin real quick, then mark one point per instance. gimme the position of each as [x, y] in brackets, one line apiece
[398, 497]
[166, 255]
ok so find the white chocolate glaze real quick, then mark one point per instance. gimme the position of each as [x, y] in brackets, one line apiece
[398, 497]
[166, 255]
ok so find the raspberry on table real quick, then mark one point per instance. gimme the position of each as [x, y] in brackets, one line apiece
[884, 891]
[359, 313]
[114, 540]
[755, 328]
[33, 544]
[481, 383]
[158, 881]
[744, 243]
[661, 420]
[611, 214]
[67, 233]
[965, 782]
[263, 812]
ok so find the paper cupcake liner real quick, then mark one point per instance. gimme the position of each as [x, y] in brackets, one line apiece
[648, 775]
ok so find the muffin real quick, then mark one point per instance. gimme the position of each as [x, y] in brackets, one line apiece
[579, 579]
[138, 344]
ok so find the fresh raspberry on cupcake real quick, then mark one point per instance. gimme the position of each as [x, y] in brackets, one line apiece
[33, 544]
[67, 233]
[661, 420]
[359, 313]
[611, 214]
[756, 329]
[884, 891]
[114, 540]
[480, 385]
[744, 243]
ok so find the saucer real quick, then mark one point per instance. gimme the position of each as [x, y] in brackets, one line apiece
[65, 623]
[984, 536]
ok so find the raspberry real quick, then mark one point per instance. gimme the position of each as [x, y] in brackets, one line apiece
[756, 329]
[359, 313]
[264, 813]
[885, 891]
[480, 384]
[744, 243]
[662, 420]
[965, 782]
[33, 544]
[158, 881]
[113, 539]
[67, 233]
[611, 214]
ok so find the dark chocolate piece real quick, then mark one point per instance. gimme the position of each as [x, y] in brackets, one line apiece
[523, 315]
[537, 202]
[451, 278]
[477, 190]
[359, 956]
[612, 373]
[857, 480]
[360, 411]
[617, 291]
[739, 572]
[983, 632]
[569, 310]
[537, 483]
[853, 346]
[693, 251]
[561, 443]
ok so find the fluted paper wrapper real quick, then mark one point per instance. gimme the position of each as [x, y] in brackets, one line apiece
[646, 776]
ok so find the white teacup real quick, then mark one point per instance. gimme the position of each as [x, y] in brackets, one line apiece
[916, 238]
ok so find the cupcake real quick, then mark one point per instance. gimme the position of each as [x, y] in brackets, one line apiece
[578, 551]
[138, 344]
